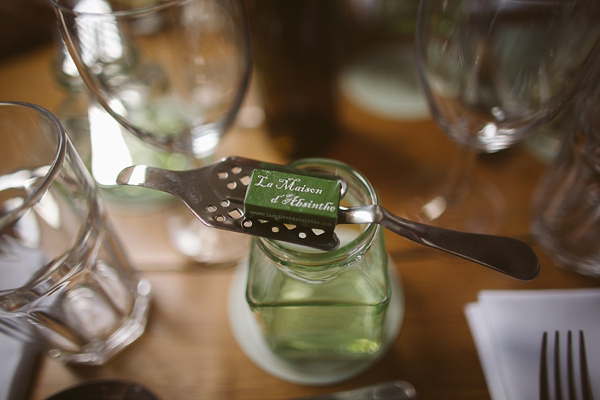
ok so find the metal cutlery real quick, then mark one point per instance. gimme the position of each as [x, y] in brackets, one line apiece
[554, 383]
[215, 194]
[117, 389]
[395, 390]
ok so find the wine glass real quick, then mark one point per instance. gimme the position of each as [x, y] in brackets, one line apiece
[173, 73]
[493, 71]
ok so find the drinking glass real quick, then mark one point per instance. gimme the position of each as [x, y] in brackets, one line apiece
[566, 218]
[64, 278]
[493, 71]
[198, 56]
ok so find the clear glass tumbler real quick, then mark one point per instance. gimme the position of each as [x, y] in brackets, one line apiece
[315, 305]
[566, 220]
[64, 278]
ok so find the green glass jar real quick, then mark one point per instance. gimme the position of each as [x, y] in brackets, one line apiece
[315, 305]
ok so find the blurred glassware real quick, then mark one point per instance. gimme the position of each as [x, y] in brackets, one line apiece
[379, 74]
[545, 143]
[174, 74]
[103, 144]
[566, 205]
[493, 72]
[64, 278]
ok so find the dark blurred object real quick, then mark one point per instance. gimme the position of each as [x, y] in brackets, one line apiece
[24, 24]
[297, 47]
[105, 389]
[383, 20]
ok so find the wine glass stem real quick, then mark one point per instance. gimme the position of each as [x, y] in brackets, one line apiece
[461, 175]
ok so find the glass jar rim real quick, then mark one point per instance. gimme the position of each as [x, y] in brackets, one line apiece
[346, 253]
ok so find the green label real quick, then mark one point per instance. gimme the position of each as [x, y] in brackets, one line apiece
[291, 198]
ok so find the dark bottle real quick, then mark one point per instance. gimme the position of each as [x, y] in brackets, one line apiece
[297, 47]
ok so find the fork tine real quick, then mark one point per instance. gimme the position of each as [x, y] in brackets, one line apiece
[570, 372]
[586, 387]
[585, 377]
[557, 382]
[544, 390]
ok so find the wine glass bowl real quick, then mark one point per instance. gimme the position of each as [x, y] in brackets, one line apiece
[502, 68]
[195, 53]
[174, 74]
[494, 71]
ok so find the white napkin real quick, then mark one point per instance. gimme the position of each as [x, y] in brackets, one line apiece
[507, 327]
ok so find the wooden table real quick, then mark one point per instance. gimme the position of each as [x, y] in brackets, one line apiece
[188, 350]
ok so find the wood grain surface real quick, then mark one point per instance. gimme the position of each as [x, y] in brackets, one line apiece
[188, 350]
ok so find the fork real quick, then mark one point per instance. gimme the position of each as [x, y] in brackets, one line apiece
[545, 389]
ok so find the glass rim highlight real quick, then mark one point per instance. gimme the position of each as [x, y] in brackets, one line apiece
[345, 253]
[69, 8]
[54, 167]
